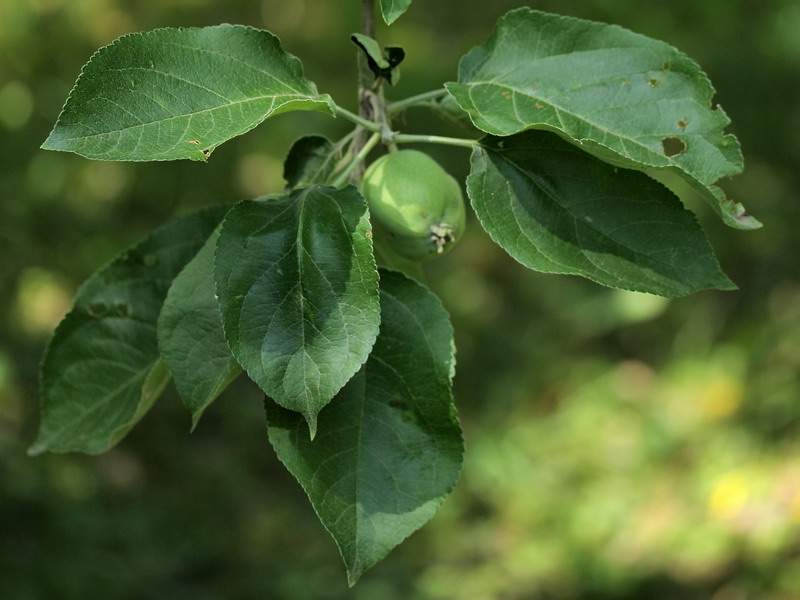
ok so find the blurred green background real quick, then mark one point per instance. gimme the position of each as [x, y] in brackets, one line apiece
[619, 446]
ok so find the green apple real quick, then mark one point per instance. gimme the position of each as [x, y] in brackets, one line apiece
[416, 207]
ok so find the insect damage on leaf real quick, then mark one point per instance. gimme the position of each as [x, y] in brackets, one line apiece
[673, 146]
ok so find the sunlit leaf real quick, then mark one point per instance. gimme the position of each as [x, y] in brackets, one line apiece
[101, 370]
[558, 210]
[190, 336]
[388, 448]
[298, 290]
[628, 99]
[179, 93]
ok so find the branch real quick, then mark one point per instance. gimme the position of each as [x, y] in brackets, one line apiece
[400, 105]
[358, 120]
[368, 17]
[366, 110]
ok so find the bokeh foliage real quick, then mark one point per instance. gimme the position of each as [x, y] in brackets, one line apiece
[618, 445]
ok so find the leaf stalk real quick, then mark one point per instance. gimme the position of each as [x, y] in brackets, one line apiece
[401, 105]
[350, 116]
[344, 177]
[408, 138]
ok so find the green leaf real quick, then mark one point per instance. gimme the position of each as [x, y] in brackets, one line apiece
[298, 291]
[392, 9]
[101, 370]
[558, 210]
[381, 63]
[628, 99]
[311, 159]
[372, 49]
[448, 109]
[157, 379]
[179, 93]
[389, 447]
[386, 257]
[190, 336]
[394, 55]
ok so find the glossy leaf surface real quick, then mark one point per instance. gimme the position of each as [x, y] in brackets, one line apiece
[298, 290]
[389, 446]
[179, 93]
[628, 99]
[558, 210]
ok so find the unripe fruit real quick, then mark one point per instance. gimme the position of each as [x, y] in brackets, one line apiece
[414, 204]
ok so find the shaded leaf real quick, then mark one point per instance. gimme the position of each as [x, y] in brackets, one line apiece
[373, 51]
[394, 55]
[298, 291]
[389, 447]
[628, 99]
[447, 108]
[179, 93]
[386, 257]
[190, 336]
[311, 159]
[558, 210]
[381, 63]
[101, 370]
[392, 9]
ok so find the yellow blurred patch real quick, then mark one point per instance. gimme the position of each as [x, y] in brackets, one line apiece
[42, 301]
[794, 508]
[721, 397]
[728, 497]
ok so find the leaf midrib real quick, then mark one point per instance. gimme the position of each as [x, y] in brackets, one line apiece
[560, 127]
[198, 112]
[103, 401]
[286, 56]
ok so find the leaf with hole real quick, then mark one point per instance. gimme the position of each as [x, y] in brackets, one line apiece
[179, 93]
[558, 210]
[298, 291]
[628, 99]
[101, 370]
[389, 447]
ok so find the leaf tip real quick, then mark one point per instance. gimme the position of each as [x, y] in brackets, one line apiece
[745, 221]
[725, 284]
[50, 143]
[311, 419]
[195, 421]
[354, 573]
[392, 10]
[36, 449]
